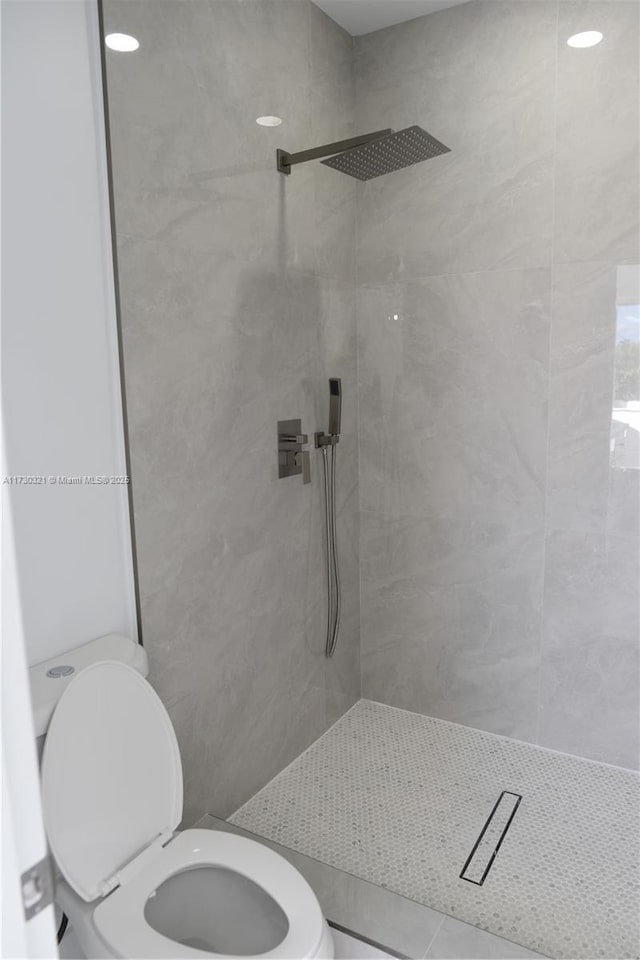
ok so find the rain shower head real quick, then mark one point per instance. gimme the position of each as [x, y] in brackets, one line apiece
[370, 155]
[401, 149]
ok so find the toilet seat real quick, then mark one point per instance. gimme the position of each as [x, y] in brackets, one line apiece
[112, 799]
[111, 776]
[120, 918]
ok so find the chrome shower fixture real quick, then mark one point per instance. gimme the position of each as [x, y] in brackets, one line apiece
[324, 441]
[370, 155]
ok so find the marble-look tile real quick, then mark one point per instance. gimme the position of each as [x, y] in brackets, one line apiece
[488, 203]
[589, 659]
[335, 220]
[456, 939]
[453, 397]
[462, 392]
[402, 925]
[581, 370]
[238, 302]
[336, 704]
[237, 299]
[191, 163]
[597, 146]
[623, 516]
[332, 118]
[229, 56]
[405, 53]
[238, 728]
[451, 620]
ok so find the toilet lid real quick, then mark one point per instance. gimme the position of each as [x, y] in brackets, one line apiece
[111, 775]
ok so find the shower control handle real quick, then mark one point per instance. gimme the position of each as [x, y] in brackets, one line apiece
[303, 460]
[292, 459]
[293, 438]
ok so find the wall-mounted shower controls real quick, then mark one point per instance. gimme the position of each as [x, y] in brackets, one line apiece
[292, 459]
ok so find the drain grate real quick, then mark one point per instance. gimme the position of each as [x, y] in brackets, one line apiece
[485, 849]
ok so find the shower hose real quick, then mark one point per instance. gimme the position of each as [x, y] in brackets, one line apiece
[333, 573]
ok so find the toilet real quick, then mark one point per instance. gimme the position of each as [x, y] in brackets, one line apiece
[132, 886]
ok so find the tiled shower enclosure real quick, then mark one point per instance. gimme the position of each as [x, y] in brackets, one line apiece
[483, 311]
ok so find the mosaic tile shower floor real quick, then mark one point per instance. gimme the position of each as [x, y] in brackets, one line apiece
[399, 799]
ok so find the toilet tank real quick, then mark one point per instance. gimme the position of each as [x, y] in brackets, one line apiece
[50, 678]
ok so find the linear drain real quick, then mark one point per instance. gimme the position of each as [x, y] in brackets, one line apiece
[485, 849]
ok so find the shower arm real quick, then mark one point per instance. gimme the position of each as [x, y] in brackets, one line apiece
[286, 160]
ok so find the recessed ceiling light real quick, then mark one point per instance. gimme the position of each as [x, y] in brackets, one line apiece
[587, 39]
[122, 42]
[269, 121]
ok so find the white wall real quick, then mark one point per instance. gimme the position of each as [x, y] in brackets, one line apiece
[23, 841]
[61, 387]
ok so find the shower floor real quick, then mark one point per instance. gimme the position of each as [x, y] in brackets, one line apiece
[399, 799]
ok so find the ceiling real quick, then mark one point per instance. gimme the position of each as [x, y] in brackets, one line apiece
[364, 16]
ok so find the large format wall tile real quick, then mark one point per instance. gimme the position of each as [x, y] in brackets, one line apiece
[488, 203]
[598, 145]
[451, 620]
[331, 109]
[489, 284]
[589, 664]
[190, 162]
[589, 673]
[580, 395]
[237, 294]
[453, 387]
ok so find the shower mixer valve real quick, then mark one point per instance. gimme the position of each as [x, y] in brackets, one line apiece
[292, 459]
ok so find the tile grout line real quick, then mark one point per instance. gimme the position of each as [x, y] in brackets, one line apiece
[433, 938]
[543, 588]
[523, 268]
[356, 304]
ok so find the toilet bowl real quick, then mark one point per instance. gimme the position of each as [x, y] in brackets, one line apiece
[133, 887]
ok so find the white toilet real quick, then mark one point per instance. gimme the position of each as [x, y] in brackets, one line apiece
[112, 797]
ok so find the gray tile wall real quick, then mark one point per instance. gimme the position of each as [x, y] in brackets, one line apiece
[498, 537]
[237, 293]
[499, 533]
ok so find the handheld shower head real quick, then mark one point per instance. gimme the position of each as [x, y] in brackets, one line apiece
[327, 442]
[335, 405]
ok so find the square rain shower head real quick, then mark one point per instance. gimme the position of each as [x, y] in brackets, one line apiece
[397, 150]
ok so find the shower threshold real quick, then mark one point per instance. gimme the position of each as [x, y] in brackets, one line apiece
[383, 923]
[405, 801]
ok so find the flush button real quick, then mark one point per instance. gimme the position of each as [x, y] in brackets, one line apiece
[64, 670]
